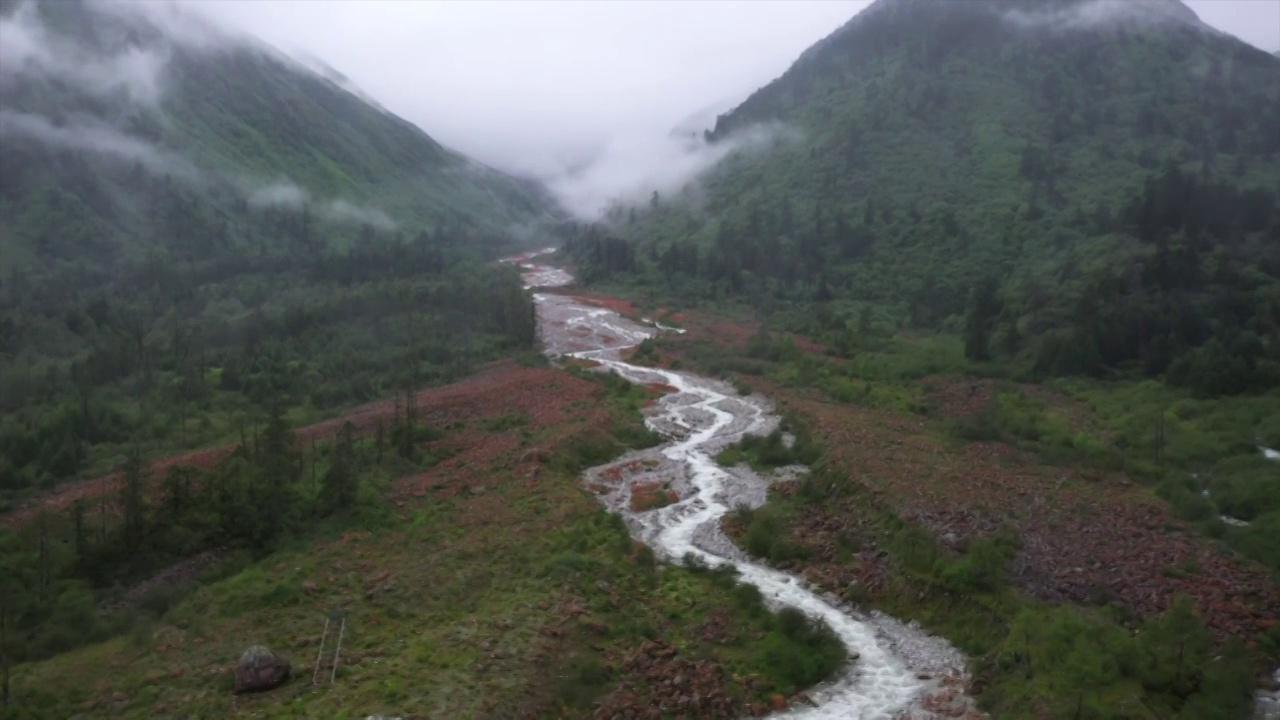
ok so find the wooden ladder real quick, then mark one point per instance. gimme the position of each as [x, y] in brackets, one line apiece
[336, 617]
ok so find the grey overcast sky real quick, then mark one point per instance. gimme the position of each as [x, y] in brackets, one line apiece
[535, 86]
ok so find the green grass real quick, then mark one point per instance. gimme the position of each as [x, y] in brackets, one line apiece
[1032, 657]
[1079, 423]
[1016, 642]
[459, 605]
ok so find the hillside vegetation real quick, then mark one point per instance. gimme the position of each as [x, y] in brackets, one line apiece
[1068, 192]
[238, 129]
[1063, 213]
[207, 245]
[1078, 194]
[477, 578]
[200, 232]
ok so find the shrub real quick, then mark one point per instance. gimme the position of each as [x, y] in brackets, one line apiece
[800, 651]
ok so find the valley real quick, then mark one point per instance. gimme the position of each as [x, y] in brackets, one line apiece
[700, 418]
[937, 377]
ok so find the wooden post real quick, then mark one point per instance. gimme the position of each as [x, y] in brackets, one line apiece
[315, 676]
[338, 651]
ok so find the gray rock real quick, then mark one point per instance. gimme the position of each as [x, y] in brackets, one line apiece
[259, 670]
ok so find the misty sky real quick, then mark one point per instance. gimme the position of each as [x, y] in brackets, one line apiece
[539, 86]
[500, 79]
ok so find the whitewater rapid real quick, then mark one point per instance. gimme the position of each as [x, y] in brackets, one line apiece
[894, 666]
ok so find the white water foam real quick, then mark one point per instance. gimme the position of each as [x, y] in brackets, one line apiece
[699, 419]
[879, 685]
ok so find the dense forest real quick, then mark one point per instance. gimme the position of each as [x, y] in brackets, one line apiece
[180, 354]
[186, 249]
[992, 190]
[1083, 198]
[1189, 289]
[236, 246]
[251, 249]
[1100, 197]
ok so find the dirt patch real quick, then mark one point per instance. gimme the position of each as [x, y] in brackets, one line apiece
[954, 397]
[652, 495]
[658, 683]
[546, 396]
[1087, 537]
[185, 573]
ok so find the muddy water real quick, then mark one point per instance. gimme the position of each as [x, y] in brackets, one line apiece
[897, 668]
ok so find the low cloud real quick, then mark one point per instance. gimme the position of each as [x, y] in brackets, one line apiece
[1094, 13]
[96, 138]
[281, 194]
[343, 211]
[27, 47]
[176, 25]
[287, 194]
[627, 171]
[103, 140]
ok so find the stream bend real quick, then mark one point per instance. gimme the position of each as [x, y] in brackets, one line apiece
[897, 665]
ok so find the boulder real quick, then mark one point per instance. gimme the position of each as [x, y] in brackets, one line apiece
[260, 669]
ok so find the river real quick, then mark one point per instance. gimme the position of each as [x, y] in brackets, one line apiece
[898, 670]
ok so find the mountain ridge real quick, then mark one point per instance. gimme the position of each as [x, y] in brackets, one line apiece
[938, 149]
[1039, 212]
[243, 118]
[166, 186]
[889, 17]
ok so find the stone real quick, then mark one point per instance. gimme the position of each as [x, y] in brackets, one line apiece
[259, 670]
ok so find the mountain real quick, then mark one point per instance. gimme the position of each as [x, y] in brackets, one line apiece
[198, 229]
[120, 115]
[1106, 171]
[696, 124]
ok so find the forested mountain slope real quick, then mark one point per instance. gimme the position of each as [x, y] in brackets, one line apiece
[118, 127]
[990, 194]
[1086, 185]
[197, 229]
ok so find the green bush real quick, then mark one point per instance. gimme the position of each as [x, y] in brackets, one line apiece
[769, 452]
[767, 535]
[1246, 486]
[984, 566]
[799, 651]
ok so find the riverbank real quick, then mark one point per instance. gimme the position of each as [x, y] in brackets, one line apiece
[898, 669]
